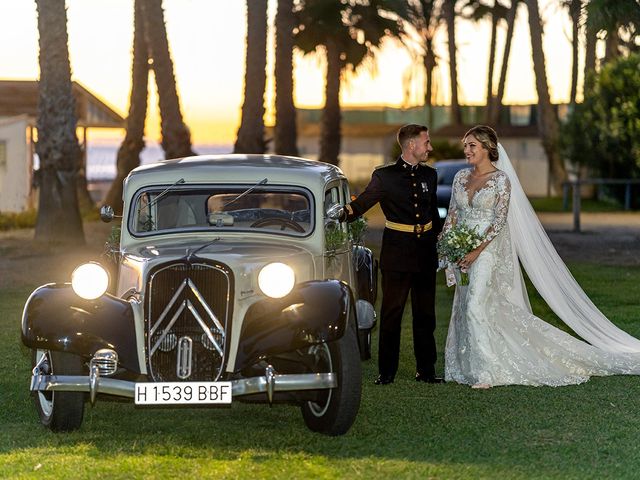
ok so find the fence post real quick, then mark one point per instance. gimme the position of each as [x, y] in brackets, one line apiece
[627, 197]
[576, 206]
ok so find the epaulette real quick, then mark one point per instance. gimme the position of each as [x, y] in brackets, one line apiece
[425, 164]
[385, 165]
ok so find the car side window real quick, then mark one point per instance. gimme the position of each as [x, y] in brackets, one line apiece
[336, 234]
[331, 197]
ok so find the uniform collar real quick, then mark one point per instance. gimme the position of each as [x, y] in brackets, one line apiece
[407, 166]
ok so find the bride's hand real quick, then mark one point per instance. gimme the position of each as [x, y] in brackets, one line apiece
[468, 259]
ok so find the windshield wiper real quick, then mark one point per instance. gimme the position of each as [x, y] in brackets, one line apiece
[191, 254]
[164, 192]
[261, 182]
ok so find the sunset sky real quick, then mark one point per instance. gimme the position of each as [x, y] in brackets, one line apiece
[207, 39]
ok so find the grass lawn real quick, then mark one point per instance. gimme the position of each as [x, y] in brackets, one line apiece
[404, 430]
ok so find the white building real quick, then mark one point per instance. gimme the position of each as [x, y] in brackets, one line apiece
[18, 114]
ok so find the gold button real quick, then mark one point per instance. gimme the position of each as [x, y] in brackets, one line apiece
[415, 195]
[417, 215]
[415, 204]
[413, 174]
[414, 184]
[418, 235]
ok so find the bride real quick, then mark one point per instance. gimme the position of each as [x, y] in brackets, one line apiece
[493, 338]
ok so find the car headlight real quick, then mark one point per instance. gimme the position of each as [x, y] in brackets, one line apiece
[90, 280]
[276, 280]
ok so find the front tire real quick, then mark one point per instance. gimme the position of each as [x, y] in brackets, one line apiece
[59, 411]
[334, 410]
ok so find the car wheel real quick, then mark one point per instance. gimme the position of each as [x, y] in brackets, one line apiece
[364, 340]
[334, 410]
[59, 411]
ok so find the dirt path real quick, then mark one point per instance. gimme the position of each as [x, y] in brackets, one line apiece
[24, 262]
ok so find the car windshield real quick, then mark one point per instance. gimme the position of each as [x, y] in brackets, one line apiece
[269, 209]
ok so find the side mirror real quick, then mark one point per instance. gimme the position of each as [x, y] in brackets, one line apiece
[106, 213]
[334, 212]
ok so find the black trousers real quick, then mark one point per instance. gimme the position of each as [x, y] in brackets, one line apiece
[395, 291]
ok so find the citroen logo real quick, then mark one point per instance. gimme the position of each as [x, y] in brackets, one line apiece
[183, 361]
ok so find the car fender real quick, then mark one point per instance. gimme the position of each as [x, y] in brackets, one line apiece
[314, 312]
[366, 266]
[55, 318]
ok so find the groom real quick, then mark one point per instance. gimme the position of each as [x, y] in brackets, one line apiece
[406, 191]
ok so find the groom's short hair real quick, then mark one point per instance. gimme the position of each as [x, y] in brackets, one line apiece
[409, 131]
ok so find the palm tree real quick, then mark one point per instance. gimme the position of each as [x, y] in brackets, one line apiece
[133, 143]
[348, 32]
[496, 104]
[58, 213]
[495, 13]
[575, 9]
[423, 18]
[547, 120]
[176, 138]
[620, 20]
[250, 137]
[285, 132]
[449, 14]
[591, 33]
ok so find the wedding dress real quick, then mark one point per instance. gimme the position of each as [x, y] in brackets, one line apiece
[493, 337]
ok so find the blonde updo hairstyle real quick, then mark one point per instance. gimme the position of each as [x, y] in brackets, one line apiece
[487, 137]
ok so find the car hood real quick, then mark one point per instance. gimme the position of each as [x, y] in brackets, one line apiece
[245, 259]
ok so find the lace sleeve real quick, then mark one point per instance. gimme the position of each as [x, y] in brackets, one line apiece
[452, 213]
[501, 209]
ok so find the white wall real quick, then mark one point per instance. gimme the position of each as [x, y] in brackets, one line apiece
[530, 161]
[15, 173]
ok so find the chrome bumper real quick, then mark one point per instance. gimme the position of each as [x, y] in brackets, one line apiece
[269, 383]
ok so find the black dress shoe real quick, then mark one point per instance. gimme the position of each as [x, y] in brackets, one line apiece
[383, 380]
[420, 377]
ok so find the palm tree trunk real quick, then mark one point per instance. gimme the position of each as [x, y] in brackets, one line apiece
[429, 66]
[497, 101]
[449, 10]
[547, 120]
[612, 43]
[58, 213]
[574, 7]
[85, 202]
[133, 143]
[492, 61]
[589, 56]
[176, 138]
[285, 133]
[250, 137]
[330, 136]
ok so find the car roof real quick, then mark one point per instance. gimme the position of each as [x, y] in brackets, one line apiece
[453, 162]
[236, 168]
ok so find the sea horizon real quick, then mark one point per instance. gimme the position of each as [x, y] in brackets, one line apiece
[101, 157]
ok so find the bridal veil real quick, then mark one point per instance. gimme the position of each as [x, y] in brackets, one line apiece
[551, 277]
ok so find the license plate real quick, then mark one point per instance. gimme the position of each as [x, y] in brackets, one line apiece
[182, 393]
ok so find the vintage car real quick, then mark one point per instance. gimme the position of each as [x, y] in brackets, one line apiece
[231, 279]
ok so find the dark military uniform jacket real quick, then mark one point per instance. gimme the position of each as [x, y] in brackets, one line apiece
[407, 195]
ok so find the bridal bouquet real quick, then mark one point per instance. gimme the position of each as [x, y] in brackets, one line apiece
[455, 244]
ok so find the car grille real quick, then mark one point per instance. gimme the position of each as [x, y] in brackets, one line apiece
[187, 320]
